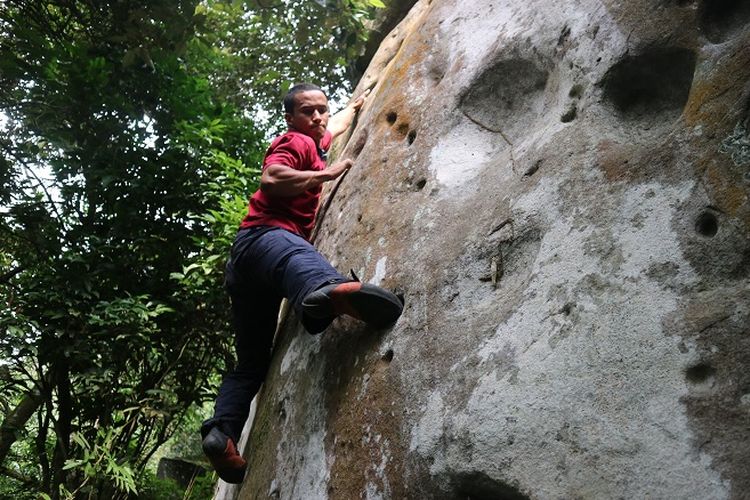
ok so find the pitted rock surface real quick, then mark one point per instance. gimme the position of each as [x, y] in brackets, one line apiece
[560, 192]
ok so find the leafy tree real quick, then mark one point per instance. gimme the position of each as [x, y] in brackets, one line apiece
[280, 42]
[131, 136]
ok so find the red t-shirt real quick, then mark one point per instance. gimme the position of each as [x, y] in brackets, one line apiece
[293, 213]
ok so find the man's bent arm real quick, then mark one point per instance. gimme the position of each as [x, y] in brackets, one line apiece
[341, 121]
[282, 180]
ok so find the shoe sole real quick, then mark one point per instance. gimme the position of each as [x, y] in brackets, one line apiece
[373, 305]
[376, 307]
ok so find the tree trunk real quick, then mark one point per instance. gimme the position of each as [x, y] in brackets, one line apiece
[62, 429]
[41, 447]
[16, 421]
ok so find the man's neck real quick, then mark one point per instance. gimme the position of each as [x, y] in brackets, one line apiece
[317, 141]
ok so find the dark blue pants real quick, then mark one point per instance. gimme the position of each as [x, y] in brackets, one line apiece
[266, 264]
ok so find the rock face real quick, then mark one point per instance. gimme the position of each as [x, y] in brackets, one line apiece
[560, 192]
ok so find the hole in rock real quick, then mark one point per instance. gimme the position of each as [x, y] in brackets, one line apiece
[411, 136]
[576, 91]
[707, 224]
[420, 184]
[653, 87]
[700, 373]
[569, 115]
[479, 486]
[437, 74]
[388, 356]
[564, 35]
[720, 19]
[281, 408]
[533, 168]
[507, 97]
[391, 117]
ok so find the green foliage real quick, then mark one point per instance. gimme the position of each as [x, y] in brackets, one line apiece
[202, 488]
[131, 134]
[277, 43]
[152, 488]
[186, 441]
[98, 461]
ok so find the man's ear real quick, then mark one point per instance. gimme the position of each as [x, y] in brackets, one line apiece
[288, 118]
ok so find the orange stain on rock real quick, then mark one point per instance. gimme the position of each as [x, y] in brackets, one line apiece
[727, 193]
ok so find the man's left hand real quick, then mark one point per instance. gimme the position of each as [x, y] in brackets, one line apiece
[360, 101]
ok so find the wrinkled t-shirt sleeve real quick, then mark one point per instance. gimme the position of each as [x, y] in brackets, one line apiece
[289, 151]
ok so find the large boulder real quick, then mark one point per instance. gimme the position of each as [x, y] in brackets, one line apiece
[559, 189]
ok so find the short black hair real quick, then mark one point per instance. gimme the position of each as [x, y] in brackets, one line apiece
[300, 87]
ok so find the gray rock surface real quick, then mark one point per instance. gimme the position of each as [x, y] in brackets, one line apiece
[560, 191]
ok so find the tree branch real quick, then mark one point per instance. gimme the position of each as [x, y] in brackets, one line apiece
[17, 476]
[4, 278]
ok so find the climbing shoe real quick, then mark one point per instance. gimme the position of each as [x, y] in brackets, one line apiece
[222, 453]
[369, 303]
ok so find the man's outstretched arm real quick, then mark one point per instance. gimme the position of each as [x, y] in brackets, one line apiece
[341, 121]
[282, 180]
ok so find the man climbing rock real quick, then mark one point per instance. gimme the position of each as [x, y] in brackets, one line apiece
[272, 258]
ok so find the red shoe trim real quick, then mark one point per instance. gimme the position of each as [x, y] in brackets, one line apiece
[230, 459]
[340, 301]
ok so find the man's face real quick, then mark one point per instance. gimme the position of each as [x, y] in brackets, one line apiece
[310, 116]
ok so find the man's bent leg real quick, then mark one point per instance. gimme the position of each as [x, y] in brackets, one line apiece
[319, 293]
[294, 268]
